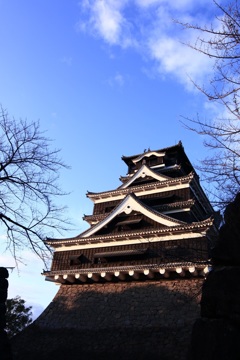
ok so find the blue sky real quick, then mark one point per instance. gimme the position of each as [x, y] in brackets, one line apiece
[105, 78]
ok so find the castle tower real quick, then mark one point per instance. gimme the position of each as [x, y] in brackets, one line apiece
[155, 225]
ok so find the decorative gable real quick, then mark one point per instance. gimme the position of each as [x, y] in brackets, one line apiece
[147, 155]
[144, 172]
[127, 206]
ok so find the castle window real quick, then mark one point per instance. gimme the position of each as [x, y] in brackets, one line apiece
[109, 209]
[78, 259]
[116, 256]
[129, 221]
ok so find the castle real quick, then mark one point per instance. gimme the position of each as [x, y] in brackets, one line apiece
[156, 225]
[130, 284]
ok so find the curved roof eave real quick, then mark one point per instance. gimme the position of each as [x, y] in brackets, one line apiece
[196, 227]
[132, 203]
[156, 184]
[179, 145]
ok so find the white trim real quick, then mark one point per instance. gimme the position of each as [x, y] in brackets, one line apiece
[175, 211]
[128, 205]
[158, 166]
[152, 167]
[192, 235]
[141, 192]
[147, 154]
[149, 272]
[143, 172]
[166, 212]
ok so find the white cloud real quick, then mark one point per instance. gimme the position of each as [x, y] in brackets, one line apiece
[148, 26]
[118, 79]
[105, 19]
[108, 20]
[176, 58]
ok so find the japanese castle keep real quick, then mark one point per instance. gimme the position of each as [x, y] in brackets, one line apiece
[130, 284]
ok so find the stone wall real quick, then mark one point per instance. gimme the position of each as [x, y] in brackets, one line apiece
[142, 320]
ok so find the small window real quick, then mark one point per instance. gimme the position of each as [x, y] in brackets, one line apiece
[78, 259]
[109, 209]
[120, 256]
[100, 260]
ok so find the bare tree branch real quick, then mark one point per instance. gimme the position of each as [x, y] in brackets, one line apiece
[221, 169]
[29, 172]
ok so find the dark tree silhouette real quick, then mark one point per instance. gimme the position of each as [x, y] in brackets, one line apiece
[29, 172]
[18, 316]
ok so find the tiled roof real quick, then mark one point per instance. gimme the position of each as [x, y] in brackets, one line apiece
[177, 146]
[137, 188]
[184, 228]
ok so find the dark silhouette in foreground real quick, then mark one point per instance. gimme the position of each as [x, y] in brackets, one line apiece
[216, 334]
[5, 350]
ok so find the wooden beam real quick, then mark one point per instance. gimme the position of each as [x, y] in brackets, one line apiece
[106, 276]
[120, 275]
[180, 271]
[148, 273]
[166, 274]
[81, 277]
[205, 271]
[69, 278]
[94, 277]
[58, 278]
[192, 270]
[162, 271]
[134, 274]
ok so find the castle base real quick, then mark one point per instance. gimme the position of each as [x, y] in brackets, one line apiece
[137, 320]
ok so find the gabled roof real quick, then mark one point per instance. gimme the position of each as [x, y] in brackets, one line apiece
[143, 172]
[129, 204]
[164, 170]
[95, 218]
[181, 231]
[147, 154]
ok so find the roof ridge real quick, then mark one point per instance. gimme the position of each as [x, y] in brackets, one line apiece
[179, 144]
